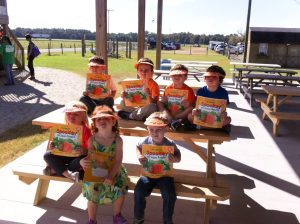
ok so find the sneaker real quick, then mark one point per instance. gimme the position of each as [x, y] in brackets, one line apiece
[227, 128]
[124, 114]
[138, 221]
[74, 176]
[91, 222]
[176, 124]
[48, 171]
[32, 78]
[119, 219]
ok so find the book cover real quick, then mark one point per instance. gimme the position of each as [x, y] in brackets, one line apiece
[210, 112]
[157, 164]
[136, 95]
[66, 138]
[101, 165]
[175, 98]
[98, 85]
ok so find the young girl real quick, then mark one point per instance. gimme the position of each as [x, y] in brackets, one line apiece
[106, 139]
[75, 114]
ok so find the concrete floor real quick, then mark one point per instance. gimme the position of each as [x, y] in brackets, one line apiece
[262, 170]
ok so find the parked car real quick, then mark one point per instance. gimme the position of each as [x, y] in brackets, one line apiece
[233, 49]
[219, 48]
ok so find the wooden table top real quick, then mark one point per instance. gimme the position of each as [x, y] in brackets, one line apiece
[282, 90]
[252, 69]
[245, 64]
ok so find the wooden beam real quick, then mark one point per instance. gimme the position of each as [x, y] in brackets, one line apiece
[101, 29]
[141, 28]
[159, 28]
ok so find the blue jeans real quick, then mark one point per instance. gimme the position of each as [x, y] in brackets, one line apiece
[144, 188]
[9, 74]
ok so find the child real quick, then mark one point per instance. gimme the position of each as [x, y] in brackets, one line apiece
[157, 124]
[75, 114]
[7, 50]
[106, 139]
[96, 66]
[145, 72]
[214, 77]
[178, 74]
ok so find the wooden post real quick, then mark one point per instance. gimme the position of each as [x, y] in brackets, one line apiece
[141, 28]
[117, 50]
[74, 48]
[126, 51]
[130, 46]
[49, 49]
[101, 29]
[159, 28]
[62, 48]
[83, 45]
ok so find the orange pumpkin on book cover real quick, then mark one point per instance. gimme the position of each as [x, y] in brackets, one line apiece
[210, 119]
[67, 147]
[98, 90]
[157, 168]
[174, 108]
[136, 98]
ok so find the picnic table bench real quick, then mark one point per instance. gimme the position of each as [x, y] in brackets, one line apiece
[188, 183]
[241, 72]
[235, 72]
[257, 80]
[270, 106]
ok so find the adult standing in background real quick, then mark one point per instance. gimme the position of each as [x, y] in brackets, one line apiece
[7, 50]
[30, 56]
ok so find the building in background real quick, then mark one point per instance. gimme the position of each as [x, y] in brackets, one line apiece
[274, 46]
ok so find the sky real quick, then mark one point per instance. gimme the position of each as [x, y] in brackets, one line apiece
[194, 16]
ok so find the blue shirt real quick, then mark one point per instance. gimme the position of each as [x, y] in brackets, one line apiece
[220, 93]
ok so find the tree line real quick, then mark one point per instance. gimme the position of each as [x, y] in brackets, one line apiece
[183, 37]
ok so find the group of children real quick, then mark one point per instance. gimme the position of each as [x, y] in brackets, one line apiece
[103, 136]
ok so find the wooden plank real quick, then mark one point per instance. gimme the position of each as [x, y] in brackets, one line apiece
[286, 115]
[191, 191]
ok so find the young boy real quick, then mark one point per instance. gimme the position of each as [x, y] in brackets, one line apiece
[96, 66]
[178, 74]
[214, 77]
[144, 69]
[157, 124]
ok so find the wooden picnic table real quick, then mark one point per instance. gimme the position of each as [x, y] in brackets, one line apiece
[195, 70]
[211, 186]
[194, 62]
[235, 72]
[242, 71]
[270, 106]
[257, 80]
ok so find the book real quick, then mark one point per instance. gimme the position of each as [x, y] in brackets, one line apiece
[175, 98]
[66, 138]
[157, 164]
[98, 85]
[135, 93]
[101, 165]
[210, 112]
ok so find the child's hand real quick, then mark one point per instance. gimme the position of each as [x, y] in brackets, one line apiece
[185, 103]
[195, 112]
[124, 94]
[81, 150]
[164, 99]
[51, 146]
[85, 163]
[142, 159]
[108, 181]
[171, 158]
